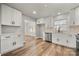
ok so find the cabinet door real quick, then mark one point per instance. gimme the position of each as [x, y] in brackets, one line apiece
[5, 45]
[47, 22]
[19, 41]
[72, 17]
[41, 21]
[72, 42]
[54, 38]
[10, 16]
[77, 16]
[6, 15]
[51, 22]
[16, 18]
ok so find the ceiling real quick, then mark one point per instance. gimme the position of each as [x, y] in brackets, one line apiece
[43, 9]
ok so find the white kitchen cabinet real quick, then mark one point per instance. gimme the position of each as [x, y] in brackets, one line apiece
[64, 40]
[19, 41]
[51, 21]
[48, 22]
[6, 43]
[41, 21]
[0, 30]
[54, 38]
[17, 17]
[10, 16]
[60, 17]
[77, 16]
[74, 17]
[71, 41]
[6, 13]
[10, 42]
[0, 22]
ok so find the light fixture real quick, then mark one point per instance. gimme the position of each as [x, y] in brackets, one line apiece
[34, 12]
[45, 5]
[58, 13]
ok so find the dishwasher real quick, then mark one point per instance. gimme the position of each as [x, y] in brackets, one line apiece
[48, 37]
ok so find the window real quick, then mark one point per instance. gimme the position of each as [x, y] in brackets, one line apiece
[60, 22]
[60, 25]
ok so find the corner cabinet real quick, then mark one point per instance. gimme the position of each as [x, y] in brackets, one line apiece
[10, 16]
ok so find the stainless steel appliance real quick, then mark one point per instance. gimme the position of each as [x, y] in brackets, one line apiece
[77, 44]
[48, 37]
[77, 41]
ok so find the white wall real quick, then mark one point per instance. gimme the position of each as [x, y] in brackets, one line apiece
[30, 26]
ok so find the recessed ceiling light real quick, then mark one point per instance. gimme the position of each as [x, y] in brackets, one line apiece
[58, 13]
[45, 5]
[34, 12]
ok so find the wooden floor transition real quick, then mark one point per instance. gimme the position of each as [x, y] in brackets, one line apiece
[38, 47]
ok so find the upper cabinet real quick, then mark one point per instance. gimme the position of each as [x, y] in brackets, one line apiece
[48, 21]
[74, 17]
[41, 21]
[17, 17]
[61, 17]
[77, 16]
[10, 16]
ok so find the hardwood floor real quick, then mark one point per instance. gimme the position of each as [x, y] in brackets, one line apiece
[38, 47]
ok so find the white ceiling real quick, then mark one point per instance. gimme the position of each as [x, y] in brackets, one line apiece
[51, 9]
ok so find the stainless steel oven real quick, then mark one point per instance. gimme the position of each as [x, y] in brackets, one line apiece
[77, 44]
[77, 41]
[48, 37]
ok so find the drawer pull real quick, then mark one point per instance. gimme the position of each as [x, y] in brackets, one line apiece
[67, 41]
[19, 35]
[14, 43]
[57, 39]
[13, 22]
[7, 37]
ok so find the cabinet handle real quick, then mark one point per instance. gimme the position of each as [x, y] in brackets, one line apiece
[19, 35]
[67, 41]
[7, 37]
[14, 43]
[73, 22]
[13, 22]
[57, 39]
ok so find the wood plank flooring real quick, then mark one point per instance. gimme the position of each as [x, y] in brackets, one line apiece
[38, 47]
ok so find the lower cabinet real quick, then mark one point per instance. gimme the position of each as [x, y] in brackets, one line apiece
[19, 41]
[5, 45]
[64, 40]
[10, 42]
[71, 42]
